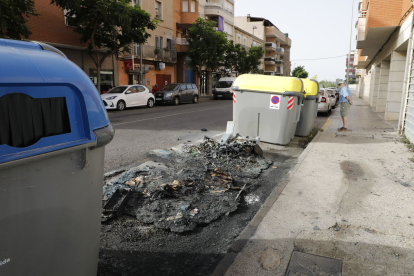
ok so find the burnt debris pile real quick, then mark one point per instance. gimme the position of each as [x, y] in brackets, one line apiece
[201, 183]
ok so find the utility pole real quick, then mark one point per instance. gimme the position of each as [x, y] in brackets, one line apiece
[350, 41]
[140, 64]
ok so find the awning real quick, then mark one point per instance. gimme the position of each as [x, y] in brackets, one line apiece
[374, 40]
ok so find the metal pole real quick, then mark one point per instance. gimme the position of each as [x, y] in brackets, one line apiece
[350, 42]
[140, 64]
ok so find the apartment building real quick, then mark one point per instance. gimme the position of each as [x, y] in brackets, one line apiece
[158, 55]
[222, 12]
[248, 40]
[277, 44]
[385, 50]
[352, 70]
[186, 13]
[51, 27]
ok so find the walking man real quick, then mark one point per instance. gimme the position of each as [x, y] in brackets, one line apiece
[345, 102]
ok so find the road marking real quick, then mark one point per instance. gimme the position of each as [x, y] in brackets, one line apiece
[327, 124]
[160, 117]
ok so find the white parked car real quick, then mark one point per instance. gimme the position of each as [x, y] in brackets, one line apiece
[331, 93]
[124, 96]
[325, 102]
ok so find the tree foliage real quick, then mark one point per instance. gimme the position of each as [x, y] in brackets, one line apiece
[14, 15]
[326, 83]
[206, 46]
[300, 72]
[238, 59]
[107, 26]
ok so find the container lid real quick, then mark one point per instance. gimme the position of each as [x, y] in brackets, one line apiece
[311, 87]
[47, 102]
[267, 84]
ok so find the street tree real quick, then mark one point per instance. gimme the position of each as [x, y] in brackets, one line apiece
[326, 83]
[14, 15]
[108, 27]
[300, 72]
[206, 46]
[238, 59]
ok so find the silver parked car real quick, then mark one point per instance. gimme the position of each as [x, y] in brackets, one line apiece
[176, 93]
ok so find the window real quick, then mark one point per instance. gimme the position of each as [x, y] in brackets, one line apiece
[228, 28]
[194, 86]
[183, 87]
[189, 86]
[158, 42]
[66, 19]
[193, 5]
[140, 88]
[185, 5]
[136, 2]
[170, 44]
[158, 9]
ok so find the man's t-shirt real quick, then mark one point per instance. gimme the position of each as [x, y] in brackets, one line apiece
[342, 95]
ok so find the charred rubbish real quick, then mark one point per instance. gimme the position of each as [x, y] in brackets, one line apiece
[200, 184]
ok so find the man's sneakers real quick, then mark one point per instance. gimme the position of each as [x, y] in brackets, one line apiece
[342, 129]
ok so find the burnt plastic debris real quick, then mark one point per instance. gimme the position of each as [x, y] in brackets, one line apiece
[199, 185]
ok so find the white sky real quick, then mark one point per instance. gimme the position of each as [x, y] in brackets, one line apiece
[318, 29]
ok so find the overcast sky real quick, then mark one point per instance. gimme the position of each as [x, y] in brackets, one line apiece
[318, 29]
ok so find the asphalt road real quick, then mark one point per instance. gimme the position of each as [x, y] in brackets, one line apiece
[139, 130]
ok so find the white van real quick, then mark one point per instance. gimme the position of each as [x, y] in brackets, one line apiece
[222, 90]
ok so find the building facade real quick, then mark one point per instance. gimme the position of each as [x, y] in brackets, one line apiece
[277, 44]
[51, 27]
[385, 51]
[352, 70]
[158, 55]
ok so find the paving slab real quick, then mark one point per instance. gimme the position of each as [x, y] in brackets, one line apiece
[349, 198]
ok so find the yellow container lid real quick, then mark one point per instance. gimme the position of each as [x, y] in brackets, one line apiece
[311, 87]
[268, 84]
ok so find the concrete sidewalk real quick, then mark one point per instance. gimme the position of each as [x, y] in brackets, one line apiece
[350, 198]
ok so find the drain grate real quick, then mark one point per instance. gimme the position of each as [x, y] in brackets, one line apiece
[312, 265]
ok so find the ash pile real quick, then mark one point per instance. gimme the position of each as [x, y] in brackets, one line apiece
[200, 184]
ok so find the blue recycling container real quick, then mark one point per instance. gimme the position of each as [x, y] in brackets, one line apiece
[53, 132]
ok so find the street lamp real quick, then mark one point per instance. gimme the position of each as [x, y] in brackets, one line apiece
[254, 28]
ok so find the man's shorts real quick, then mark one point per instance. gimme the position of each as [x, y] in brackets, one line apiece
[345, 109]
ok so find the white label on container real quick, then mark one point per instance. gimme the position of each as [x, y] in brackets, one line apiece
[274, 102]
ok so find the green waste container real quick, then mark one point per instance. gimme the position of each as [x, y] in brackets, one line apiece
[267, 106]
[309, 109]
[53, 129]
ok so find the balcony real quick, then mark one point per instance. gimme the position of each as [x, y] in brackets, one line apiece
[181, 45]
[270, 46]
[149, 53]
[279, 63]
[361, 28]
[274, 32]
[269, 73]
[269, 60]
[280, 51]
[279, 71]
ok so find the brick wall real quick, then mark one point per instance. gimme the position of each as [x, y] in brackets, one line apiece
[383, 13]
[50, 26]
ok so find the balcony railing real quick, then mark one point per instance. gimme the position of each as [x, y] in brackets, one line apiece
[270, 46]
[279, 62]
[280, 51]
[149, 53]
[269, 60]
[182, 41]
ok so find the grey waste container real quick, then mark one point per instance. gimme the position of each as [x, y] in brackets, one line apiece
[267, 106]
[53, 129]
[309, 110]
